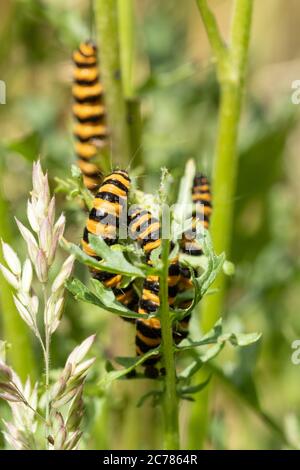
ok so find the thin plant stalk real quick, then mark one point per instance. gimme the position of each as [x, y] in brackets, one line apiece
[46, 351]
[170, 400]
[106, 18]
[231, 64]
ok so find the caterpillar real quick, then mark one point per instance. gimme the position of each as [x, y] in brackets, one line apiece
[104, 220]
[146, 230]
[202, 198]
[89, 111]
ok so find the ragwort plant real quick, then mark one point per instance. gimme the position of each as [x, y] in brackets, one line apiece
[126, 259]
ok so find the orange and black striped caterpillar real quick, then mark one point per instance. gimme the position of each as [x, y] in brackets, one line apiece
[146, 229]
[202, 199]
[108, 205]
[89, 111]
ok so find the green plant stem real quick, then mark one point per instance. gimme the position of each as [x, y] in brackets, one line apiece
[224, 176]
[170, 402]
[216, 41]
[231, 77]
[231, 68]
[135, 132]
[127, 45]
[127, 54]
[15, 331]
[106, 17]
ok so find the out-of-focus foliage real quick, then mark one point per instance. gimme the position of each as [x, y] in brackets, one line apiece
[179, 93]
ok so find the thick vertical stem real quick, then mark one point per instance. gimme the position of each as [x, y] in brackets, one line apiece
[106, 16]
[170, 403]
[231, 67]
[225, 162]
[127, 54]
[127, 46]
[224, 176]
[135, 132]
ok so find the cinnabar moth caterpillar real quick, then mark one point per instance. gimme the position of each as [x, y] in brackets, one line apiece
[202, 199]
[89, 111]
[103, 220]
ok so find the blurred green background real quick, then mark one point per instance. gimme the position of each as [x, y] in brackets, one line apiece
[175, 79]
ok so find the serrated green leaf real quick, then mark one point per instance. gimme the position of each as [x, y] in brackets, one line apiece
[125, 361]
[214, 265]
[75, 172]
[244, 339]
[125, 282]
[199, 361]
[156, 396]
[116, 262]
[191, 369]
[118, 374]
[108, 366]
[103, 298]
[188, 398]
[216, 336]
[74, 187]
[195, 262]
[212, 337]
[194, 388]
[212, 352]
[228, 268]
[113, 258]
[155, 255]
